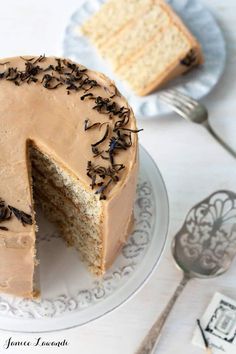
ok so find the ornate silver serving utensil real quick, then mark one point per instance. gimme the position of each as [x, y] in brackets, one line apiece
[203, 248]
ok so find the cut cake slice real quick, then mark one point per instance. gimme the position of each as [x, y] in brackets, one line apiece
[146, 47]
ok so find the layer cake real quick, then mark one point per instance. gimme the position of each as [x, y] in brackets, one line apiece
[68, 141]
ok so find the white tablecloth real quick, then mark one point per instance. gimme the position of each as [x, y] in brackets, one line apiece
[192, 163]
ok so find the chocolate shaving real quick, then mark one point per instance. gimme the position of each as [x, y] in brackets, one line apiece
[12, 74]
[106, 106]
[50, 82]
[4, 228]
[103, 138]
[120, 140]
[59, 67]
[87, 126]
[99, 174]
[30, 72]
[25, 219]
[132, 130]
[50, 67]
[7, 211]
[102, 189]
[39, 59]
[86, 95]
[70, 74]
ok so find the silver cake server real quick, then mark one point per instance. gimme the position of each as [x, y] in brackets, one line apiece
[203, 248]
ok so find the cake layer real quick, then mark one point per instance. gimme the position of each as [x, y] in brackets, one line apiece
[112, 17]
[74, 233]
[139, 71]
[51, 173]
[134, 38]
[57, 197]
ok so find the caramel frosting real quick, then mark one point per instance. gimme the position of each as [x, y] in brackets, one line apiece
[78, 118]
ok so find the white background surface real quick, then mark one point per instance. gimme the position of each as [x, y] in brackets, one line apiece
[192, 164]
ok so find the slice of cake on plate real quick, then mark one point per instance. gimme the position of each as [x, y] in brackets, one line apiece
[68, 140]
[145, 41]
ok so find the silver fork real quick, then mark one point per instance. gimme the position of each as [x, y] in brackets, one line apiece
[193, 111]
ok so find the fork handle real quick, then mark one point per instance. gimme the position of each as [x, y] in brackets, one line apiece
[217, 138]
[150, 341]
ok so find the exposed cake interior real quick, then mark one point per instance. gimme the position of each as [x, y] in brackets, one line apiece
[75, 211]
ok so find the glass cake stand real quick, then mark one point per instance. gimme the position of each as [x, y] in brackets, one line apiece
[70, 295]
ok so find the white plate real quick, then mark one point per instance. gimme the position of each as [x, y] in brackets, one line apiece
[71, 296]
[197, 83]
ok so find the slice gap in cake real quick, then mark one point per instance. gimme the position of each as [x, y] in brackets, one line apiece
[66, 203]
[36, 272]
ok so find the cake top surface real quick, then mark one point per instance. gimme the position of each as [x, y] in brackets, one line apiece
[74, 115]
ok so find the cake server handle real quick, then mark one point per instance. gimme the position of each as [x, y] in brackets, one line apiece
[149, 343]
